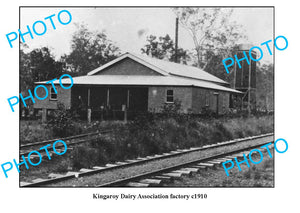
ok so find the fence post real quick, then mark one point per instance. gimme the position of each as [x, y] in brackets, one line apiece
[44, 115]
[124, 109]
[89, 115]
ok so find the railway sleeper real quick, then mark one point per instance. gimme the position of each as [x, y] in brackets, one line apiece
[98, 167]
[137, 184]
[224, 159]
[219, 161]
[151, 182]
[120, 163]
[241, 155]
[215, 162]
[192, 170]
[175, 152]
[164, 179]
[131, 161]
[37, 180]
[199, 167]
[85, 170]
[174, 175]
[183, 172]
[76, 174]
[34, 156]
[24, 183]
[54, 175]
[110, 165]
[208, 165]
[59, 150]
[230, 157]
[194, 148]
[205, 146]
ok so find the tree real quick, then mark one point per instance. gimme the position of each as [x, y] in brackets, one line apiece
[43, 65]
[36, 65]
[90, 50]
[215, 66]
[163, 48]
[265, 86]
[212, 31]
[24, 66]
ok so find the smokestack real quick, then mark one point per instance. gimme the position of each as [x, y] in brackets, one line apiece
[176, 40]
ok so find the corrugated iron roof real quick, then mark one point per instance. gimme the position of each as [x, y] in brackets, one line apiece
[165, 68]
[182, 70]
[135, 80]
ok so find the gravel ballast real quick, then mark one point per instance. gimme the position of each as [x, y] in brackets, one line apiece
[126, 172]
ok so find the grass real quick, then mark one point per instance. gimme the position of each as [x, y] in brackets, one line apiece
[142, 137]
[57, 164]
[35, 130]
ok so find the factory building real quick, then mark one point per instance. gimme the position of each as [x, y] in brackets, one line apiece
[135, 83]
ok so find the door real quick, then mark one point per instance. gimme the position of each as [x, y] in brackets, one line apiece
[216, 102]
[138, 99]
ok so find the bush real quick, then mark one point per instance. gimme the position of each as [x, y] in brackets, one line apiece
[150, 134]
[62, 167]
[257, 175]
[268, 163]
[33, 131]
[221, 132]
[143, 121]
[247, 174]
[207, 113]
[62, 122]
[226, 182]
[171, 109]
[84, 157]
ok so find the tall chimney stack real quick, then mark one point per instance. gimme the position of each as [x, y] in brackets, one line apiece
[176, 41]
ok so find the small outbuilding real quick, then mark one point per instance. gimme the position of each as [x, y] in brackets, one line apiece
[136, 83]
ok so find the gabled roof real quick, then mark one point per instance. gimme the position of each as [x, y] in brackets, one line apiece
[131, 56]
[136, 80]
[171, 74]
[165, 68]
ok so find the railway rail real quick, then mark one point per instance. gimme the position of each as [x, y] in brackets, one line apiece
[25, 149]
[160, 175]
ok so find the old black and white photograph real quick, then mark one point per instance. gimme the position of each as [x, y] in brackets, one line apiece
[146, 97]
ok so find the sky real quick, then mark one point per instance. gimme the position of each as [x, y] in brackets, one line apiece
[123, 24]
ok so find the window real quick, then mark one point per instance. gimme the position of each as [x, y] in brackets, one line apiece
[170, 96]
[53, 95]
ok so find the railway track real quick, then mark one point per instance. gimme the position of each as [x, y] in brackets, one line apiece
[25, 149]
[162, 176]
[158, 176]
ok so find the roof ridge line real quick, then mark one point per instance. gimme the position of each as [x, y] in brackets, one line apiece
[148, 62]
